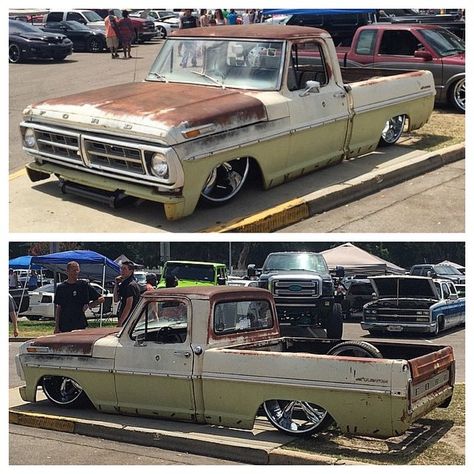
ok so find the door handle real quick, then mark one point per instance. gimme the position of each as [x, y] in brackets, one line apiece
[186, 354]
[339, 95]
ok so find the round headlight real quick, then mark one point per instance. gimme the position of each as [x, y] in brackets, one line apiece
[30, 139]
[159, 166]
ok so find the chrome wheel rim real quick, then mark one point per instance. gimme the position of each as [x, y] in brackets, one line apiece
[460, 94]
[393, 129]
[61, 390]
[295, 416]
[226, 180]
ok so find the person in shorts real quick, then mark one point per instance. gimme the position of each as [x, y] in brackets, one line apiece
[111, 34]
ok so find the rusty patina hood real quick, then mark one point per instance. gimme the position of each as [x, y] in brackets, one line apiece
[72, 343]
[157, 106]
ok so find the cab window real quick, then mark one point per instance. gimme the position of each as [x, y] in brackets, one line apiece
[307, 63]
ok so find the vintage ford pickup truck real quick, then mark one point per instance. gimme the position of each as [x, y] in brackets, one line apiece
[217, 106]
[214, 355]
[413, 304]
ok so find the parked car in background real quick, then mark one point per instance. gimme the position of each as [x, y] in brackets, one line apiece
[236, 281]
[21, 298]
[86, 17]
[413, 304]
[413, 46]
[82, 37]
[144, 28]
[359, 291]
[41, 304]
[165, 22]
[448, 272]
[30, 42]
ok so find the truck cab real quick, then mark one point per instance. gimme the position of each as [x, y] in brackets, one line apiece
[191, 273]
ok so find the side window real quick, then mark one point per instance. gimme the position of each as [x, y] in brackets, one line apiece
[75, 16]
[452, 289]
[399, 43]
[307, 63]
[237, 316]
[55, 16]
[416, 271]
[162, 322]
[366, 42]
[445, 288]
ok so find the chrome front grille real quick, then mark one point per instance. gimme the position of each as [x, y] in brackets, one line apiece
[110, 155]
[295, 288]
[59, 144]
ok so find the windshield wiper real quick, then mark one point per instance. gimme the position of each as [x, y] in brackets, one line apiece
[213, 79]
[159, 76]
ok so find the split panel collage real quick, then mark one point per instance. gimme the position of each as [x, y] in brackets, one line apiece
[236, 236]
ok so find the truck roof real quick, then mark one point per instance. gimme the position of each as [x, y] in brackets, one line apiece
[193, 262]
[257, 31]
[400, 26]
[212, 292]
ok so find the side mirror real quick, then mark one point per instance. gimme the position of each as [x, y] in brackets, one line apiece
[221, 281]
[374, 296]
[311, 88]
[140, 340]
[453, 297]
[340, 272]
[425, 55]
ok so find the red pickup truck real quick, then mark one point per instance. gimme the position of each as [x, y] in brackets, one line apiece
[412, 46]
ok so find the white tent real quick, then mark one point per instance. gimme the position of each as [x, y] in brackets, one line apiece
[123, 258]
[357, 261]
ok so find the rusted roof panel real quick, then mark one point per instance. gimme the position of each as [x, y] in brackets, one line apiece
[256, 31]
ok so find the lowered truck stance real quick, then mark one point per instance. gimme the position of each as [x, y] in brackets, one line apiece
[218, 105]
[214, 355]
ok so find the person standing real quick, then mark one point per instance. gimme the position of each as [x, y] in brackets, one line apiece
[188, 20]
[33, 281]
[13, 316]
[12, 279]
[73, 297]
[151, 280]
[126, 292]
[219, 17]
[232, 17]
[204, 19]
[111, 33]
[126, 33]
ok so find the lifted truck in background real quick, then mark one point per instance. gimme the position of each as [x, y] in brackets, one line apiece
[304, 292]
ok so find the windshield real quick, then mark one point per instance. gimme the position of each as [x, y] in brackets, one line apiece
[140, 277]
[190, 271]
[443, 42]
[92, 16]
[404, 288]
[21, 27]
[243, 64]
[306, 261]
[446, 270]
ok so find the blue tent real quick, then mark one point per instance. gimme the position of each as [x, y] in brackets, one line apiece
[23, 263]
[94, 266]
[310, 11]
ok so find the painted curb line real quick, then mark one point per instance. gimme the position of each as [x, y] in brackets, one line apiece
[339, 194]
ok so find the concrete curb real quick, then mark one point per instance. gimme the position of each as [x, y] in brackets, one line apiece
[235, 450]
[326, 199]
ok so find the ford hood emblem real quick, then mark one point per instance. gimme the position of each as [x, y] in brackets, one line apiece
[294, 288]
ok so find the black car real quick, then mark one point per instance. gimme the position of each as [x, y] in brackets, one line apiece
[28, 42]
[83, 37]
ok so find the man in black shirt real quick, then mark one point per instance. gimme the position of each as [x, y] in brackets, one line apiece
[73, 297]
[126, 291]
[188, 21]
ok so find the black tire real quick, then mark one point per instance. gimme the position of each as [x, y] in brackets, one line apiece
[392, 131]
[63, 391]
[161, 32]
[355, 349]
[32, 317]
[457, 95]
[297, 418]
[225, 181]
[14, 53]
[95, 45]
[335, 322]
[439, 325]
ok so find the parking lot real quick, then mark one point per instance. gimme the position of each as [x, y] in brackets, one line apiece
[43, 208]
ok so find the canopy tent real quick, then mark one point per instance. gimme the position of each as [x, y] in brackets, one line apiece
[357, 261]
[23, 263]
[94, 266]
[315, 11]
[123, 258]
